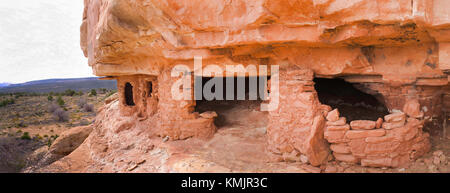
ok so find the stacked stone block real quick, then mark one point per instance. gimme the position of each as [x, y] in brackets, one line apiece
[392, 142]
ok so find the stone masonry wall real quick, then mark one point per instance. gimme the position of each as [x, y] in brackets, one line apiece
[295, 128]
[177, 119]
[172, 118]
[145, 103]
[389, 142]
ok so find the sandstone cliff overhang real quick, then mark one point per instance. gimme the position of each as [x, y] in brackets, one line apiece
[333, 37]
[398, 49]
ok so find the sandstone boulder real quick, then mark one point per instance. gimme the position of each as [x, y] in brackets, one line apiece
[70, 140]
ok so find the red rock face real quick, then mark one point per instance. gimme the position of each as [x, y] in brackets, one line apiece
[397, 50]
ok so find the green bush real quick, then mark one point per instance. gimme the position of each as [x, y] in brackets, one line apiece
[26, 136]
[21, 125]
[60, 101]
[93, 93]
[38, 137]
[69, 92]
[6, 102]
[50, 98]
[49, 142]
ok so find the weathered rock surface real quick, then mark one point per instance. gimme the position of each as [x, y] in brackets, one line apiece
[396, 50]
[70, 140]
[135, 149]
[61, 147]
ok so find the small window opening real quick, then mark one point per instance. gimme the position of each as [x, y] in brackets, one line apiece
[150, 88]
[129, 94]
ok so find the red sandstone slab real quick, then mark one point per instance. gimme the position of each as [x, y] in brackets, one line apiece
[415, 122]
[412, 132]
[341, 121]
[380, 148]
[395, 117]
[346, 158]
[406, 132]
[335, 136]
[209, 115]
[362, 124]
[412, 108]
[379, 139]
[379, 123]
[326, 108]
[333, 115]
[355, 134]
[393, 125]
[340, 148]
[380, 162]
[345, 127]
[358, 147]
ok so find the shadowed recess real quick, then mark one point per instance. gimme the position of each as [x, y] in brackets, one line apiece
[351, 102]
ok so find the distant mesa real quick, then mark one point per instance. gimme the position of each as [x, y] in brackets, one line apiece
[58, 85]
[4, 84]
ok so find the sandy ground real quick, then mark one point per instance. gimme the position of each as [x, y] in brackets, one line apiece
[238, 146]
[29, 114]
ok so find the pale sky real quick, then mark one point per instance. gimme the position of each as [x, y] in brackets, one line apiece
[40, 39]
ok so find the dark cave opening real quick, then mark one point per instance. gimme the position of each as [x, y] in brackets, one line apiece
[351, 102]
[239, 105]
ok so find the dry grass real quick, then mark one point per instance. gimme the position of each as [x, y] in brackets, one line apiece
[34, 121]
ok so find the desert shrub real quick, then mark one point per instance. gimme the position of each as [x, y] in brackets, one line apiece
[69, 92]
[6, 102]
[82, 102]
[61, 115]
[88, 107]
[39, 113]
[49, 142]
[50, 98]
[60, 101]
[52, 108]
[19, 94]
[21, 124]
[38, 137]
[26, 136]
[80, 93]
[93, 93]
